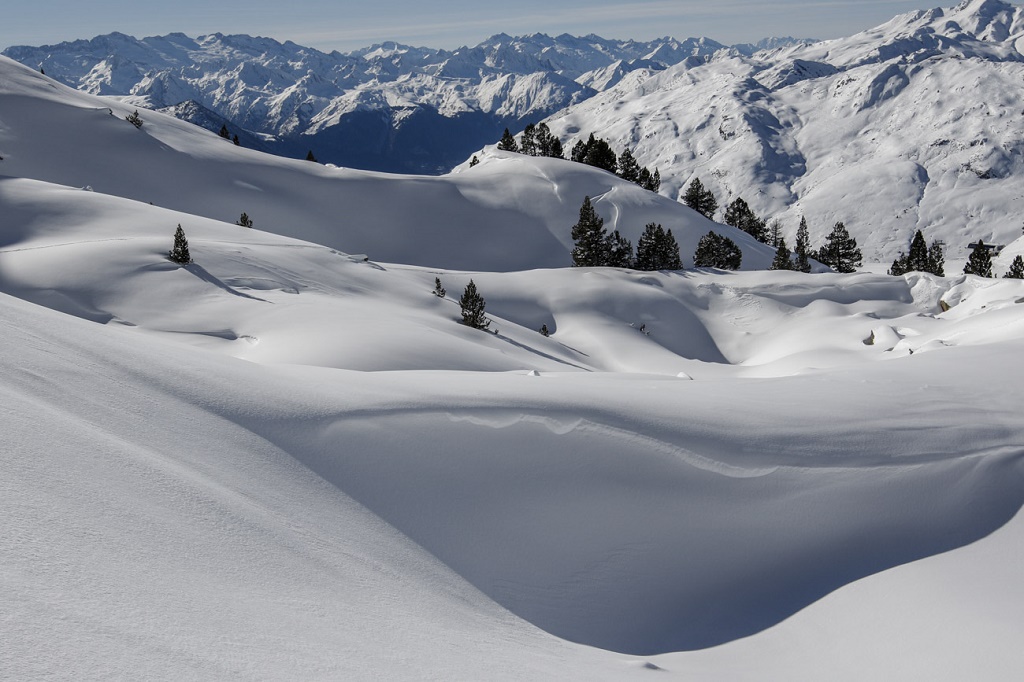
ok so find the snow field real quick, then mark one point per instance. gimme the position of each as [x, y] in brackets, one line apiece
[285, 461]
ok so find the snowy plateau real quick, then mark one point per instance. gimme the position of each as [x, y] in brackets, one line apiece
[289, 459]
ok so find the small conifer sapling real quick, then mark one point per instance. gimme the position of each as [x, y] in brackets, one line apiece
[472, 304]
[179, 252]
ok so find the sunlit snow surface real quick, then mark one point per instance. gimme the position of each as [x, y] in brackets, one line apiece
[285, 461]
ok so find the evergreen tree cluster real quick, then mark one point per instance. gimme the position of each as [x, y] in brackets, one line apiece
[921, 258]
[226, 134]
[739, 215]
[657, 248]
[716, 251]
[598, 153]
[537, 140]
[134, 119]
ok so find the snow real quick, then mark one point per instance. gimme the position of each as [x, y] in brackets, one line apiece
[911, 125]
[288, 461]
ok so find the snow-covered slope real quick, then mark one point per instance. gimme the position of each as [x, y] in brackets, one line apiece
[510, 212]
[550, 489]
[283, 461]
[912, 125]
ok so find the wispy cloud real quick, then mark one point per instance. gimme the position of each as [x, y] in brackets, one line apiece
[680, 18]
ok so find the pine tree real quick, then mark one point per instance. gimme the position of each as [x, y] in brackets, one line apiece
[179, 253]
[134, 119]
[917, 258]
[979, 262]
[700, 199]
[650, 181]
[840, 251]
[528, 145]
[900, 266]
[1016, 270]
[936, 259]
[781, 260]
[657, 249]
[544, 330]
[647, 247]
[620, 251]
[774, 233]
[803, 247]
[739, 215]
[439, 290]
[472, 304]
[474, 161]
[629, 169]
[669, 253]
[600, 155]
[244, 220]
[235, 140]
[508, 143]
[590, 238]
[921, 258]
[548, 144]
[716, 251]
[579, 151]
[224, 132]
[644, 178]
[310, 157]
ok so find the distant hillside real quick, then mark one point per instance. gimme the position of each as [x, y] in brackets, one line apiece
[915, 124]
[388, 107]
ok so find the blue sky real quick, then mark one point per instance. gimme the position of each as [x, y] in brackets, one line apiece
[344, 25]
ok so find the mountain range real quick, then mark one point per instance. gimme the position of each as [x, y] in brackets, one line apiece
[388, 107]
[915, 124]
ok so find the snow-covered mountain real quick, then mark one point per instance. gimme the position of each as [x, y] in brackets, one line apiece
[286, 461]
[912, 125]
[915, 124]
[387, 107]
[510, 212]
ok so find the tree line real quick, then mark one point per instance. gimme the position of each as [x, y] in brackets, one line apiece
[537, 140]
[840, 251]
